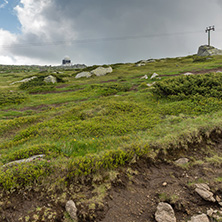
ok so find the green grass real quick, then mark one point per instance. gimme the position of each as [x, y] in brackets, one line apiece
[85, 125]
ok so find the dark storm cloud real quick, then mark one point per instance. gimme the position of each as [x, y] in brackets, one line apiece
[74, 20]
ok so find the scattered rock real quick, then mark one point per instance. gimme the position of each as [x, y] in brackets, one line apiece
[188, 74]
[71, 209]
[25, 160]
[101, 71]
[210, 212]
[204, 191]
[24, 80]
[154, 75]
[50, 79]
[200, 218]
[182, 161]
[164, 184]
[83, 74]
[205, 50]
[144, 77]
[150, 84]
[165, 213]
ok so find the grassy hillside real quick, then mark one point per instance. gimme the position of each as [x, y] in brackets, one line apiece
[85, 125]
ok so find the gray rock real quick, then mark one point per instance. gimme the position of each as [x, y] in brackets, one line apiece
[154, 75]
[25, 160]
[71, 210]
[205, 50]
[182, 161]
[188, 74]
[200, 218]
[204, 191]
[144, 77]
[83, 74]
[50, 79]
[24, 80]
[101, 71]
[150, 84]
[165, 213]
[79, 66]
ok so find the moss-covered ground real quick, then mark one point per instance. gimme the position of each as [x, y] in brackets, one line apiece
[85, 126]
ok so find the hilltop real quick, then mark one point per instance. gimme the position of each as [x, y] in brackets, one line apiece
[111, 143]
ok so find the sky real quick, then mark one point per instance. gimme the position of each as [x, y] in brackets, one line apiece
[43, 32]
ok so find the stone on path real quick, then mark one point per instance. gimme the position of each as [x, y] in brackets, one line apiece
[204, 191]
[165, 213]
[71, 210]
[200, 218]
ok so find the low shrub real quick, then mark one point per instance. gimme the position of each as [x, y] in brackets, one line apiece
[31, 151]
[11, 97]
[181, 87]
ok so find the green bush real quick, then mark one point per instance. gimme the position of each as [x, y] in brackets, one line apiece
[11, 97]
[31, 151]
[182, 87]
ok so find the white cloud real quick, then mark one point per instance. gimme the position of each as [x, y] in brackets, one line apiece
[4, 4]
[49, 29]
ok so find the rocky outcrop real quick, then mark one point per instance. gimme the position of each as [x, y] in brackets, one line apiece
[205, 50]
[144, 62]
[50, 79]
[165, 213]
[25, 160]
[24, 80]
[100, 71]
[204, 191]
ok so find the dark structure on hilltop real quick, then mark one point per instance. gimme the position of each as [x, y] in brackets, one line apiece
[66, 61]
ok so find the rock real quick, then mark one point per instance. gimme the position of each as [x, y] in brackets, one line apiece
[101, 71]
[218, 71]
[164, 184]
[25, 160]
[79, 66]
[150, 84]
[71, 209]
[83, 74]
[24, 80]
[200, 218]
[50, 79]
[182, 161]
[205, 50]
[154, 75]
[165, 213]
[188, 74]
[210, 212]
[144, 77]
[204, 191]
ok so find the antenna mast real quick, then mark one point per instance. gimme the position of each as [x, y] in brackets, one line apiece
[208, 29]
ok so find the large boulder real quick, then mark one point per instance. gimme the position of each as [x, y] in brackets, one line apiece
[83, 74]
[101, 71]
[50, 79]
[205, 50]
[165, 213]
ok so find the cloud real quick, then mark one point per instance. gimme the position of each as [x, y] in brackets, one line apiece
[4, 4]
[96, 32]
